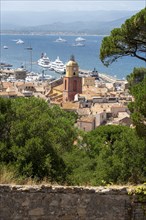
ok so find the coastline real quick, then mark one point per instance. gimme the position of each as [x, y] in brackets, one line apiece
[51, 34]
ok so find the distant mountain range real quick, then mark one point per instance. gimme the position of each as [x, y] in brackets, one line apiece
[98, 22]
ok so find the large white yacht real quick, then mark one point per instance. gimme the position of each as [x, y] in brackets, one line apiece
[79, 39]
[44, 61]
[19, 41]
[58, 66]
[60, 40]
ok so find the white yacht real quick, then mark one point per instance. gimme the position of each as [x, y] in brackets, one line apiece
[78, 44]
[58, 66]
[44, 61]
[32, 77]
[19, 41]
[79, 39]
[45, 77]
[11, 79]
[5, 47]
[60, 40]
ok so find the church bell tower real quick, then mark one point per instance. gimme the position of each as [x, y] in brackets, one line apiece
[72, 83]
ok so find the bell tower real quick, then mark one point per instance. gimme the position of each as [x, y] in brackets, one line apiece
[72, 82]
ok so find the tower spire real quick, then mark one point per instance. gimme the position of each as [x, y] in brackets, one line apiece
[72, 57]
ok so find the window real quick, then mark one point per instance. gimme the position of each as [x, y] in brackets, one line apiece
[65, 84]
[75, 85]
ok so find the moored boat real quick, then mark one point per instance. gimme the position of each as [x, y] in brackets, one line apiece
[78, 44]
[60, 40]
[44, 61]
[58, 66]
[5, 47]
[19, 41]
[79, 39]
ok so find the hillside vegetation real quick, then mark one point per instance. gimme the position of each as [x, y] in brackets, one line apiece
[40, 142]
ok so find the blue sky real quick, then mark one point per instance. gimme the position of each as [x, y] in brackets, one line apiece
[68, 5]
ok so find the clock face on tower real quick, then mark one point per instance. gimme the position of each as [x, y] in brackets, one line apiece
[75, 68]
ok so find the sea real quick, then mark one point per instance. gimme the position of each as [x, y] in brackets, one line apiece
[87, 57]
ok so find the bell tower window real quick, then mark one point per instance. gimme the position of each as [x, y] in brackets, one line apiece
[65, 84]
[75, 85]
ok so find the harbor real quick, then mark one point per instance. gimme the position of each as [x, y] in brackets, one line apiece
[21, 74]
[100, 76]
[87, 56]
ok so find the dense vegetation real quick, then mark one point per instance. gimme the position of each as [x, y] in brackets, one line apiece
[32, 137]
[129, 40]
[137, 87]
[40, 141]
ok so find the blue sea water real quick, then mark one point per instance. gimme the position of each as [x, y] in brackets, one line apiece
[87, 57]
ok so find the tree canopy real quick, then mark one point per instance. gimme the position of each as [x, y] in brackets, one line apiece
[129, 40]
[137, 88]
[138, 107]
[32, 137]
[38, 141]
[136, 76]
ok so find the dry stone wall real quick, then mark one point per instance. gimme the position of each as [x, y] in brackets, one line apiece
[68, 203]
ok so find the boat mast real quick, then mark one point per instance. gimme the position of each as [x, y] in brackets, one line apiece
[30, 49]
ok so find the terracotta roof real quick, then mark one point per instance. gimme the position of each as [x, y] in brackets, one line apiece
[29, 84]
[7, 84]
[87, 119]
[8, 94]
[20, 94]
[70, 105]
[59, 88]
[19, 83]
[118, 106]
[93, 89]
[100, 107]
[10, 89]
[39, 89]
[83, 111]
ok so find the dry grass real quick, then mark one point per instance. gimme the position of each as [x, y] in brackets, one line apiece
[6, 175]
[9, 176]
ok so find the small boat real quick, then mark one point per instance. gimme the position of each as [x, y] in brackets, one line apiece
[79, 39]
[19, 41]
[5, 65]
[44, 61]
[28, 48]
[60, 40]
[5, 47]
[78, 44]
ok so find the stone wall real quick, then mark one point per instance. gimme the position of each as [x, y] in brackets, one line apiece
[68, 203]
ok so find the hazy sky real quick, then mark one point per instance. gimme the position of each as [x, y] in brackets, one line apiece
[21, 5]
